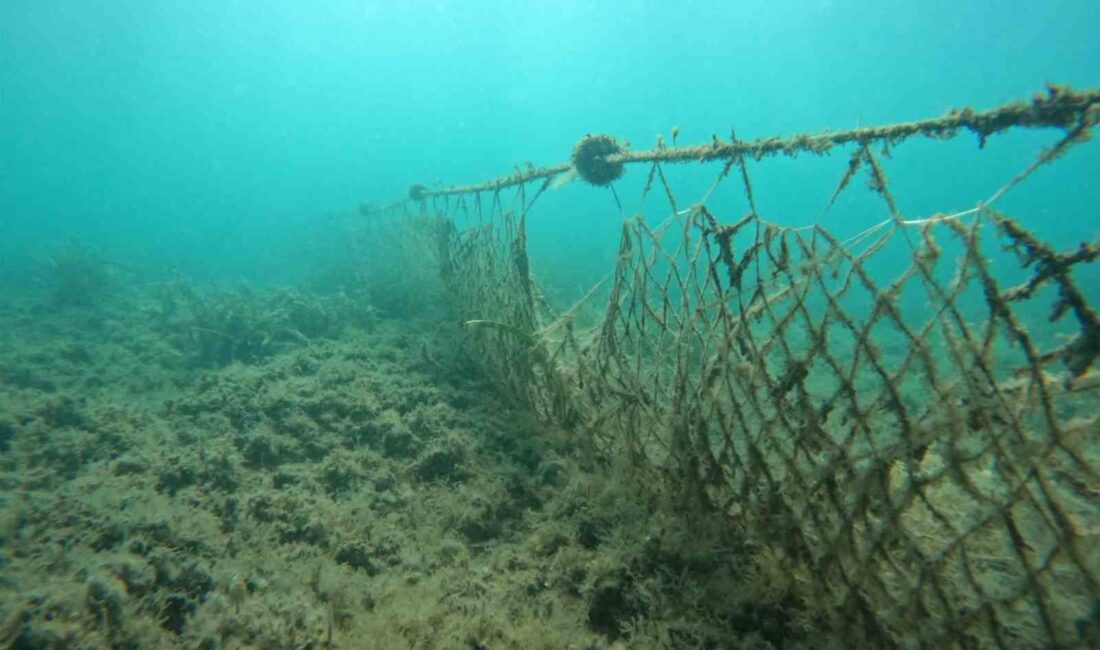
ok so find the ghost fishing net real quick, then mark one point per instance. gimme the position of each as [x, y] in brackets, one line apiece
[906, 419]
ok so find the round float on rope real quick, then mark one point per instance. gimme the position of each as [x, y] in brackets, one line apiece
[418, 192]
[590, 159]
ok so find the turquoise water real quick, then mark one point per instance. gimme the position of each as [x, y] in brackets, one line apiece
[210, 136]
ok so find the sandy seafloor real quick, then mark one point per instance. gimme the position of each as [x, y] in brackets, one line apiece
[361, 490]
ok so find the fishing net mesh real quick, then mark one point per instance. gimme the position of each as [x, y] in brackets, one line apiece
[906, 418]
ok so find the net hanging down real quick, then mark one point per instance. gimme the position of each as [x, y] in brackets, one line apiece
[906, 419]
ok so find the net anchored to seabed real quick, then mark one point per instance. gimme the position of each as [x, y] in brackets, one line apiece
[905, 420]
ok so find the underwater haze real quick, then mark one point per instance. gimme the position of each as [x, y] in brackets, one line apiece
[209, 135]
[267, 382]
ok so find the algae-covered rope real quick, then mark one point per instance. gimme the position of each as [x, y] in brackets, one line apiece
[599, 159]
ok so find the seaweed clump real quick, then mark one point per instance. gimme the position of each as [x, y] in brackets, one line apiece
[221, 327]
[76, 277]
